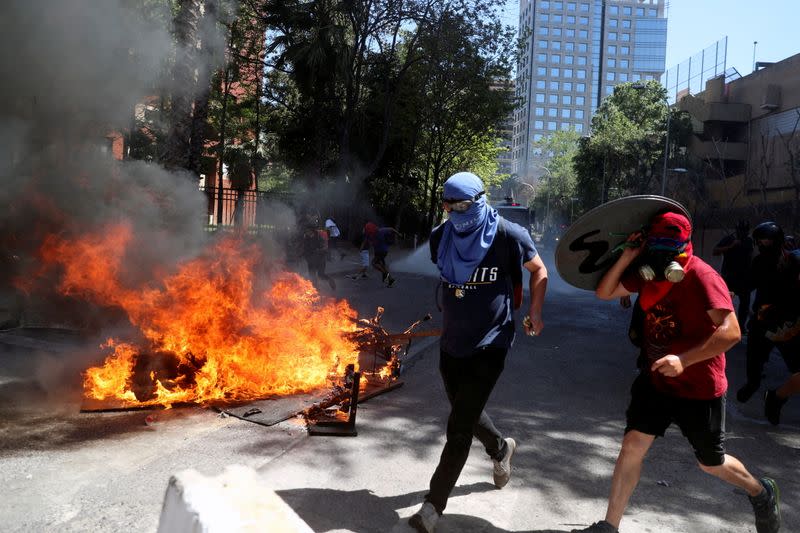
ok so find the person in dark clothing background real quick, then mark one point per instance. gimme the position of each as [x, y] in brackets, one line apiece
[736, 250]
[774, 275]
[314, 245]
[480, 257]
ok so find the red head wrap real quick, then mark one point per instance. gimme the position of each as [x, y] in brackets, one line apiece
[676, 227]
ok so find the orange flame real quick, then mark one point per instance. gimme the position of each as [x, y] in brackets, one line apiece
[211, 335]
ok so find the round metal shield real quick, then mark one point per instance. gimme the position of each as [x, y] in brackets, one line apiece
[588, 247]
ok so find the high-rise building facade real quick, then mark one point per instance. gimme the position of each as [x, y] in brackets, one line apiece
[574, 53]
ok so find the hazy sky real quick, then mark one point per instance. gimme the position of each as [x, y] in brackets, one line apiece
[696, 24]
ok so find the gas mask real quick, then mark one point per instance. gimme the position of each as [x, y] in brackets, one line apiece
[660, 260]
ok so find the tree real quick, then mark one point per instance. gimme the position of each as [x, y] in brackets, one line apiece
[625, 151]
[555, 193]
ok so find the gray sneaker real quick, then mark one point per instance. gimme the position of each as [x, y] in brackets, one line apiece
[502, 468]
[768, 508]
[424, 520]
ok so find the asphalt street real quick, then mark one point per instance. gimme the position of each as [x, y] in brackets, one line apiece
[562, 397]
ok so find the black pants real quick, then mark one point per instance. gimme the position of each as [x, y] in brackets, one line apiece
[468, 382]
[759, 348]
[743, 309]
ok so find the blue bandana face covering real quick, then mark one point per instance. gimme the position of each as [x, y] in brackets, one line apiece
[467, 236]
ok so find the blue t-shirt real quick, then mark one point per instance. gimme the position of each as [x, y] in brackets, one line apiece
[479, 313]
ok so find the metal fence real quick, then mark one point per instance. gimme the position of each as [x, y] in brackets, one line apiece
[691, 75]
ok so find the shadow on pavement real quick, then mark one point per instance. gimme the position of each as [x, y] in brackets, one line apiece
[364, 511]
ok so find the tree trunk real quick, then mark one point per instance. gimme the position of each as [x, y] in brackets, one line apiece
[177, 150]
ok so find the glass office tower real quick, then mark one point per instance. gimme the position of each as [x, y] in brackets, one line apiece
[574, 53]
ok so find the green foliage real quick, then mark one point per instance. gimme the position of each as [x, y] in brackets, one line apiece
[559, 183]
[625, 152]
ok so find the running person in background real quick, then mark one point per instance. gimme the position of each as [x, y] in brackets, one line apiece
[688, 324]
[480, 257]
[380, 239]
[333, 237]
[776, 322]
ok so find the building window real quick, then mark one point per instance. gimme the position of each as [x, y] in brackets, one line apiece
[652, 12]
[612, 36]
[566, 99]
[540, 84]
[551, 126]
[580, 100]
[571, 6]
[609, 76]
[567, 86]
[626, 11]
[626, 23]
[583, 34]
[609, 90]
[544, 17]
[584, 20]
[639, 11]
[556, 45]
[552, 98]
[539, 98]
[623, 63]
[585, 8]
[626, 37]
[554, 72]
[552, 112]
[555, 59]
[541, 58]
[613, 10]
[580, 87]
[636, 77]
[542, 44]
[612, 49]
[581, 60]
[568, 60]
[612, 62]
[622, 76]
[544, 30]
[571, 19]
[541, 71]
[558, 5]
[544, 4]
[557, 19]
[538, 124]
[565, 126]
[566, 113]
[579, 127]
[612, 23]
[557, 32]
[539, 111]
[624, 50]
[580, 74]
[569, 32]
[537, 137]
[579, 113]
[582, 47]
[566, 73]
[553, 85]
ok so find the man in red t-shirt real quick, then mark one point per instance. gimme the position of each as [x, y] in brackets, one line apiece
[689, 323]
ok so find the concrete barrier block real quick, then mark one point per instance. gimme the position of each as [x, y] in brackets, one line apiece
[233, 502]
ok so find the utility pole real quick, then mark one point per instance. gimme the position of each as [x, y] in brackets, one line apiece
[754, 55]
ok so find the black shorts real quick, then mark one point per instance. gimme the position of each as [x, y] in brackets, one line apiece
[702, 422]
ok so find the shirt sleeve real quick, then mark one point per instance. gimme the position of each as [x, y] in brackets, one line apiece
[713, 290]
[525, 245]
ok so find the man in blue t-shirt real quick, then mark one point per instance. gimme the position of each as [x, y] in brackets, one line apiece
[480, 257]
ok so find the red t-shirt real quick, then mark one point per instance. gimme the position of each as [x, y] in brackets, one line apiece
[680, 321]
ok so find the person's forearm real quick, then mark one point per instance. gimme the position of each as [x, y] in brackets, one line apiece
[723, 338]
[538, 288]
[610, 280]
